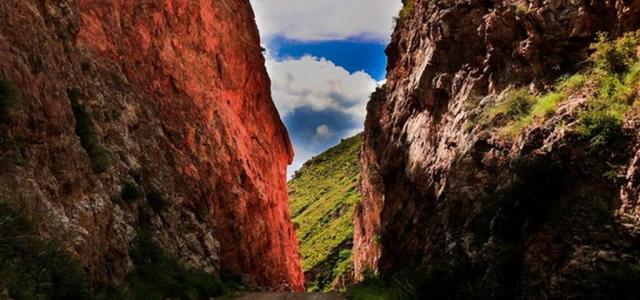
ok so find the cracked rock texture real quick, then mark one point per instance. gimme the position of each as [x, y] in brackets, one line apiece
[177, 134]
[428, 169]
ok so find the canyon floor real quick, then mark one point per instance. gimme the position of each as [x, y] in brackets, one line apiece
[290, 296]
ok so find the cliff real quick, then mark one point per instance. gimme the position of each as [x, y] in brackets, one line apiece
[322, 197]
[490, 171]
[129, 116]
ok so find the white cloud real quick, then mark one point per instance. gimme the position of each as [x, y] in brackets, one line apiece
[322, 20]
[319, 85]
[323, 131]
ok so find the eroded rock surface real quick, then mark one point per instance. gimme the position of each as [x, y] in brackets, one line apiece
[151, 115]
[430, 171]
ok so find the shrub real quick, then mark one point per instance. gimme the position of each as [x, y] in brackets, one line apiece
[518, 103]
[158, 276]
[515, 104]
[156, 200]
[617, 73]
[600, 126]
[371, 288]
[130, 192]
[89, 139]
[521, 8]
[615, 56]
[7, 94]
[614, 72]
[35, 269]
[445, 280]
[613, 281]
[407, 9]
[572, 83]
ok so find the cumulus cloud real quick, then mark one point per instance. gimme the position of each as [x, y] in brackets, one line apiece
[322, 20]
[319, 101]
[323, 131]
[319, 84]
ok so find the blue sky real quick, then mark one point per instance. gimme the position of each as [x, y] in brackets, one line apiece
[324, 57]
[353, 55]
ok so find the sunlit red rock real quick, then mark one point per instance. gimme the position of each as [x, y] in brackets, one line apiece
[180, 97]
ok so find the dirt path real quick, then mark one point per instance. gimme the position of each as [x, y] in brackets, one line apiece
[289, 296]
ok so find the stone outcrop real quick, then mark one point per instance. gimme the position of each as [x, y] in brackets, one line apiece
[430, 171]
[146, 115]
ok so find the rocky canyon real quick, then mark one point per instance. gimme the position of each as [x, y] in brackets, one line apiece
[494, 160]
[122, 117]
[142, 156]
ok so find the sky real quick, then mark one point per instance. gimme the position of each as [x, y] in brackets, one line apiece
[324, 57]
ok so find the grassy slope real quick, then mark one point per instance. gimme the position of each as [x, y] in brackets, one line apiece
[323, 195]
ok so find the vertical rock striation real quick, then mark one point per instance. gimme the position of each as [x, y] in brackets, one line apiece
[430, 169]
[147, 115]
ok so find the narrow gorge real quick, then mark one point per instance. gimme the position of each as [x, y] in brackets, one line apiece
[142, 155]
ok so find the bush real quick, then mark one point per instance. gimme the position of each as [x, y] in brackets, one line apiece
[617, 73]
[156, 200]
[89, 139]
[514, 105]
[130, 192]
[617, 56]
[621, 281]
[371, 288]
[455, 280]
[614, 72]
[36, 269]
[7, 94]
[518, 103]
[521, 8]
[407, 9]
[158, 276]
[600, 126]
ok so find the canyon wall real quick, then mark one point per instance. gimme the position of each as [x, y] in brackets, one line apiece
[442, 187]
[146, 115]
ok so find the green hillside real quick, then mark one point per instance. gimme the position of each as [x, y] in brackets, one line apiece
[323, 195]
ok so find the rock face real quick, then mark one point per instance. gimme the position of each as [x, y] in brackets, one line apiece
[430, 171]
[147, 115]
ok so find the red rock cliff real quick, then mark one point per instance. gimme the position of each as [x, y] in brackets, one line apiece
[179, 108]
[431, 170]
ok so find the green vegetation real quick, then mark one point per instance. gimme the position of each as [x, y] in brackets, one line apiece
[323, 195]
[520, 108]
[612, 81]
[99, 156]
[540, 193]
[407, 9]
[7, 94]
[371, 288]
[454, 280]
[462, 280]
[613, 281]
[156, 200]
[36, 269]
[158, 276]
[131, 192]
[617, 74]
